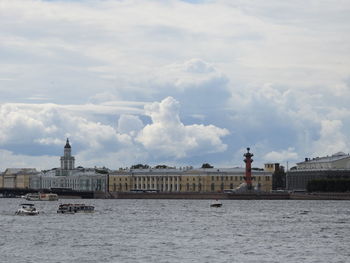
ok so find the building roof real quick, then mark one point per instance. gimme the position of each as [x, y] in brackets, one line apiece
[184, 172]
[67, 144]
[20, 171]
[334, 157]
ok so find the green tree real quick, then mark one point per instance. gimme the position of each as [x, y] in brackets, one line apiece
[207, 165]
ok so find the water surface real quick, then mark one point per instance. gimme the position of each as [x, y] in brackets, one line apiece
[178, 231]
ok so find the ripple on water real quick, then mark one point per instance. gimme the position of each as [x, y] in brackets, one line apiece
[178, 231]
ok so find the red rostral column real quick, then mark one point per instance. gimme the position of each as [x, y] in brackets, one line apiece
[248, 168]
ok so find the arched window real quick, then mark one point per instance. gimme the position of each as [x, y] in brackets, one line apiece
[188, 187]
[199, 187]
[231, 186]
[194, 187]
[212, 187]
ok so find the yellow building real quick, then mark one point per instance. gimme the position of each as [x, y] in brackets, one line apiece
[17, 177]
[271, 167]
[188, 180]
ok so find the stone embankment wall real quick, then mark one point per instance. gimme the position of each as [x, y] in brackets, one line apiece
[200, 196]
[236, 196]
[320, 196]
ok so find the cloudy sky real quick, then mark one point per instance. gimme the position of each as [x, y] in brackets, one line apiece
[173, 82]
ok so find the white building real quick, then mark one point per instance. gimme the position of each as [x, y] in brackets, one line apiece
[67, 176]
[79, 179]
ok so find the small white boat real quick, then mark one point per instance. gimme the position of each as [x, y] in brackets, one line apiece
[216, 204]
[27, 209]
[75, 208]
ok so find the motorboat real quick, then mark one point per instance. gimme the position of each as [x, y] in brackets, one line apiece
[41, 197]
[216, 204]
[27, 209]
[75, 208]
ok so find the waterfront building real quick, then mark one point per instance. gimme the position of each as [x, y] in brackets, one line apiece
[338, 160]
[67, 176]
[185, 180]
[271, 167]
[67, 160]
[334, 166]
[17, 177]
[80, 179]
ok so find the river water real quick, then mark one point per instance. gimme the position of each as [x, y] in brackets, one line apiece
[178, 231]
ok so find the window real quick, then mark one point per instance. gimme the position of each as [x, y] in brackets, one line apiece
[212, 187]
[194, 187]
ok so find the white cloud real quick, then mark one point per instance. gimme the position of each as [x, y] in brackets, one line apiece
[282, 156]
[273, 73]
[168, 136]
[47, 126]
[10, 160]
[332, 139]
[129, 124]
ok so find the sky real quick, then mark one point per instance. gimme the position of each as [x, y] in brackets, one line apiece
[179, 83]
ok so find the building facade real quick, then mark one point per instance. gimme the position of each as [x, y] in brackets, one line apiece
[191, 180]
[79, 179]
[17, 177]
[328, 167]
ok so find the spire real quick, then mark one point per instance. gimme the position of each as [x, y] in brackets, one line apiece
[67, 144]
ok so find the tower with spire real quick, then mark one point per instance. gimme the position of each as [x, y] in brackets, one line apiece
[67, 160]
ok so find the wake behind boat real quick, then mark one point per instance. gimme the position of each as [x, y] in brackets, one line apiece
[216, 204]
[75, 208]
[27, 209]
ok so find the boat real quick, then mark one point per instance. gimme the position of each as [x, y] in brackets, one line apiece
[27, 209]
[216, 204]
[75, 208]
[41, 197]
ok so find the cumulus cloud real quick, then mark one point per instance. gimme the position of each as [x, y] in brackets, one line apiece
[45, 127]
[241, 66]
[331, 139]
[129, 124]
[167, 135]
